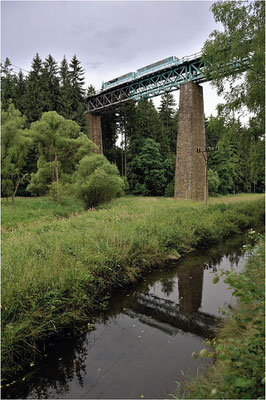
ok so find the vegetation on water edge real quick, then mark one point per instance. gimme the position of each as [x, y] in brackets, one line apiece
[56, 274]
[239, 370]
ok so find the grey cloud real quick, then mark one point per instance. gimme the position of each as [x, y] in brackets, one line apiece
[114, 38]
[109, 38]
[94, 65]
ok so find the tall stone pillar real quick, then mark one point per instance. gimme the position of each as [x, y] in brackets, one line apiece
[190, 165]
[95, 130]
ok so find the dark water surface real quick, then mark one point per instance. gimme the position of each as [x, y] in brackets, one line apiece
[143, 344]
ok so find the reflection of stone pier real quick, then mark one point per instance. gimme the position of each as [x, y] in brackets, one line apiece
[190, 281]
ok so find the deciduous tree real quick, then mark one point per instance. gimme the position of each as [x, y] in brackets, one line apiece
[242, 41]
[14, 148]
[61, 146]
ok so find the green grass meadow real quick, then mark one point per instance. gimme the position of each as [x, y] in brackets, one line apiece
[60, 264]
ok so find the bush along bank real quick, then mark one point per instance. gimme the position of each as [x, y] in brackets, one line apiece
[55, 275]
[239, 348]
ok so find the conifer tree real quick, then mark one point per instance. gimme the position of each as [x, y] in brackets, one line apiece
[20, 92]
[50, 84]
[8, 84]
[91, 90]
[76, 74]
[34, 92]
[167, 115]
[146, 126]
[81, 119]
[78, 106]
[65, 91]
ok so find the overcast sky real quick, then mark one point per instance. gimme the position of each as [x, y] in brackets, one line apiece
[110, 38]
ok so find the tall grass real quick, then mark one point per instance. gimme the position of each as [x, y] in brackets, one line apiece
[28, 210]
[57, 272]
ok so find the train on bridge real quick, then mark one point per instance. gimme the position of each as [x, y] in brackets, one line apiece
[157, 66]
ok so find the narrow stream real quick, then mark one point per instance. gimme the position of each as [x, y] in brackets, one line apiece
[143, 344]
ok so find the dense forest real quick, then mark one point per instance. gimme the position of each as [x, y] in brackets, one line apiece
[147, 136]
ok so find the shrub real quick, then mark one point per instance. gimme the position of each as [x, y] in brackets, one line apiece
[96, 181]
[170, 190]
[213, 182]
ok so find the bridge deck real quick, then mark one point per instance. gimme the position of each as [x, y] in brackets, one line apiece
[152, 84]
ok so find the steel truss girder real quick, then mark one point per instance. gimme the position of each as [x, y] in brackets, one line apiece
[166, 81]
[105, 100]
[152, 85]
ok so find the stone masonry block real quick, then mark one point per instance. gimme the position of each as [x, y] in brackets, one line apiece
[190, 165]
[95, 130]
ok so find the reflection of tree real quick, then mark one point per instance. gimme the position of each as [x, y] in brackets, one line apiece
[167, 286]
[234, 258]
[52, 378]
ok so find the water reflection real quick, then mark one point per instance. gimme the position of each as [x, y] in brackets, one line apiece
[175, 308]
[180, 314]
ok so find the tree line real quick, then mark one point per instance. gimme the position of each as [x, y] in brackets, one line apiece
[47, 87]
[146, 154]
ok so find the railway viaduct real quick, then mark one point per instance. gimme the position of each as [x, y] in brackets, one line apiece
[186, 75]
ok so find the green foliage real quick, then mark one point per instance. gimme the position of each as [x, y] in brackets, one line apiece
[257, 164]
[33, 99]
[239, 346]
[61, 147]
[239, 160]
[47, 88]
[147, 172]
[242, 38]
[170, 189]
[15, 146]
[169, 122]
[97, 181]
[8, 84]
[146, 126]
[65, 91]
[213, 182]
[50, 84]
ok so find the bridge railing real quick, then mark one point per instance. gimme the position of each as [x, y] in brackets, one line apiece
[191, 57]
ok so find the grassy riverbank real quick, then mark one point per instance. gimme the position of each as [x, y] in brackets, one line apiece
[58, 272]
[239, 371]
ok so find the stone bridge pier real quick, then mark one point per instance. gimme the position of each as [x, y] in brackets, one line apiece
[95, 130]
[190, 165]
[190, 179]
